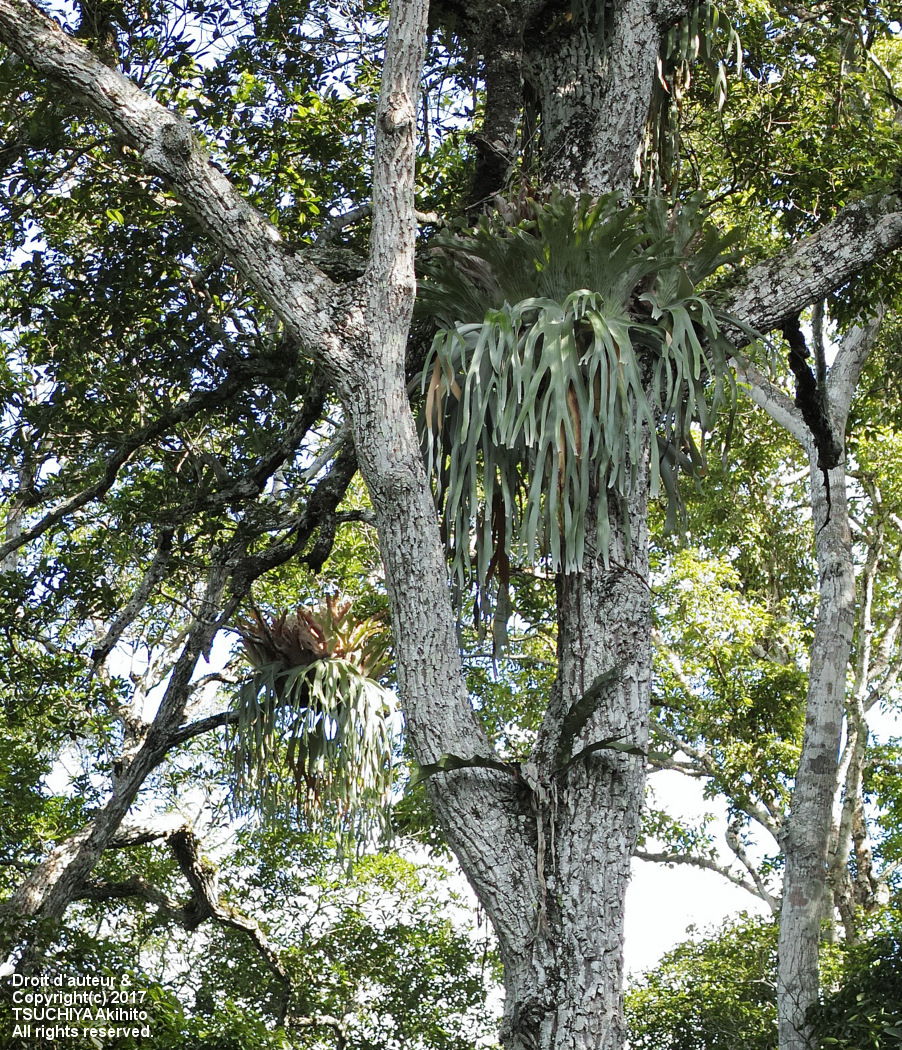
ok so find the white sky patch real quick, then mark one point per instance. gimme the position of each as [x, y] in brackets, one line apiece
[662, 902]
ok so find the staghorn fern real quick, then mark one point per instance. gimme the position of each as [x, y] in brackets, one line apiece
[562, 341]
[316, 709]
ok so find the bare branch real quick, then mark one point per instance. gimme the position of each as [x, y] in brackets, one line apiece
[701, 862]
[202, 878]
[155, 572]
[333, 228]
[738, 849]
[338, 1025]
[775, 402]
[842, 379]
[131, 835]
[101, 891]
[783, 286]
[204, 725]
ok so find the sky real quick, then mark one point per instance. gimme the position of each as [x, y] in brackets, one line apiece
[663, 902]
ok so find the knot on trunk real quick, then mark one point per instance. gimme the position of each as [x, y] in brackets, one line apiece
[398, 114]
[170, 148]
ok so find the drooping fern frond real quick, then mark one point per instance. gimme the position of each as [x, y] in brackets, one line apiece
[563, 342]
[313, 725]
[705, 36]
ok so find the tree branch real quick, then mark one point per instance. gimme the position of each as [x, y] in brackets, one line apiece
[700, 862]
[131, 835]
[738, 849]
[203, 879]
[313, 308]
[203, 725]
[777, 404]
[842, 379]
[783, 286]
[394, 219]
[811, 399]
[196, 403]
[128, 889]
[764, 813]
[204, 903]
[155, 572]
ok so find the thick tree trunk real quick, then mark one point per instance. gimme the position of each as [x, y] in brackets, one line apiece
[496, 145]
[547, 851]
[593, 89]
[588, 814]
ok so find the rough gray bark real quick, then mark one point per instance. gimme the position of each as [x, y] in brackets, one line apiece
[604, 618]
[593, 85]
[501, 38]
[806, 833]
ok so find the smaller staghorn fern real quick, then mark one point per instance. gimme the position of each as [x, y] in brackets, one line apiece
[563, 341]
[316, 709]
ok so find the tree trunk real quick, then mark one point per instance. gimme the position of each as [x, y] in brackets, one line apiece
[501, 40]
[587, 815]
[547, 851]
[593, 85]
[807, 830]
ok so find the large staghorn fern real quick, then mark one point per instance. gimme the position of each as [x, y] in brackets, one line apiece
[315, 707]
[563, 340]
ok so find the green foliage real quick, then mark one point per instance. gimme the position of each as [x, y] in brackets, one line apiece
[118, 314]
[564, 341]
[385, 953]
[883, 792]
[809, 126]
[738, 688]
[865, 1012]
[315, 705]
[735, 603]
[707, 38]
[717, 993]
[509, 696]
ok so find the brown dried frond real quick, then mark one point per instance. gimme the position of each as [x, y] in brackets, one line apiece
[290, 640]
[296, 639]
